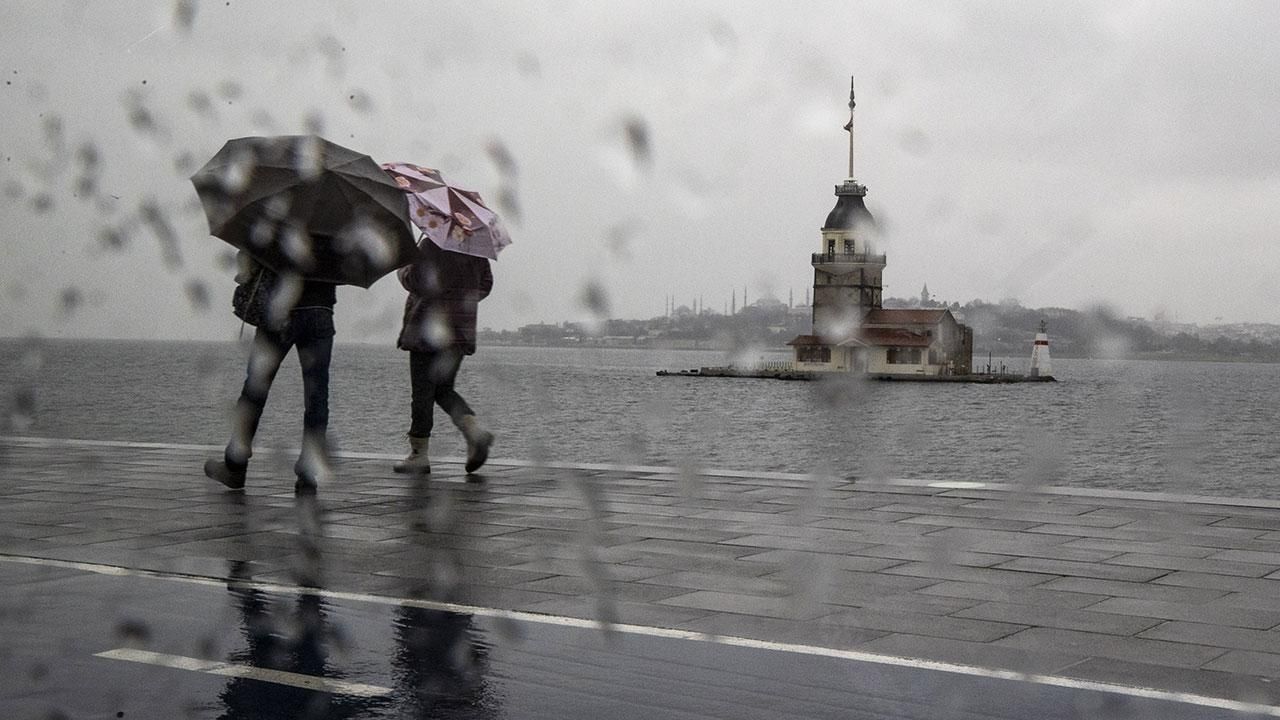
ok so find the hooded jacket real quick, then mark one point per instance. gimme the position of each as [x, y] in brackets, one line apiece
[445, 290]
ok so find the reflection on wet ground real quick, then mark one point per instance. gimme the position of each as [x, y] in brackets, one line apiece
[133, 589]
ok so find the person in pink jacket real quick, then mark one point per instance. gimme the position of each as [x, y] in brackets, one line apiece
[445, 290]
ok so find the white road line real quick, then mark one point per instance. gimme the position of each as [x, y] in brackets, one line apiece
[279, 677]
[1257, 709]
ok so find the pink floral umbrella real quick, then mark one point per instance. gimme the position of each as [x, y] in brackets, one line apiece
[453, 218]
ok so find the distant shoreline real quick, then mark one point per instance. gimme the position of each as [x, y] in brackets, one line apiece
[1147, 356]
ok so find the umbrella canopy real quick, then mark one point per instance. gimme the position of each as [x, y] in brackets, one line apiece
[452, 218]
[301, 204]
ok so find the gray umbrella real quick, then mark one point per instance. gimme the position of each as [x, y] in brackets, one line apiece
[301, 204]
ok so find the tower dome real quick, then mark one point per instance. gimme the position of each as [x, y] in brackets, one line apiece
[851, 211]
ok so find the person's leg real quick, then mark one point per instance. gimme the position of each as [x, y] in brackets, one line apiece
[314, 341]
[268, 351]
[444, 371]
[421, 414]
[447, 397]
[423, 379]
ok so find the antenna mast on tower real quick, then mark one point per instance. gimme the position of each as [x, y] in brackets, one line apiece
[849, 127]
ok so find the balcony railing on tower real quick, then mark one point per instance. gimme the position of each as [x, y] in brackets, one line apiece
[847, 258]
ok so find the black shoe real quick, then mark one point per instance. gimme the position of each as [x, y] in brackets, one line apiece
[216, 469]
[304, 486]
[478, 451]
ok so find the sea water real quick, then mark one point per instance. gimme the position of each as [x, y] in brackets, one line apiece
[1185, 427]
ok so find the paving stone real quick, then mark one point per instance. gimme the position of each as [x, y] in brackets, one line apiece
[1247, 600]
[1271, 558]
[1081, 569]
[939, 553]
[749, 585]
[1260, 586]
[1057, 617]
[788, 607]
[1238, 617]
[923, 624]
[822, 560]
[1215, 635]
[1209, 565]
[1156, 652]
[991, 576]
[1117, 547]
[1013, 594]
[910, 603]
[1247, 662]
[1121, 588]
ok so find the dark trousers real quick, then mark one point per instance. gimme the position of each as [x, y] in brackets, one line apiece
[431, 375]
[310, 330]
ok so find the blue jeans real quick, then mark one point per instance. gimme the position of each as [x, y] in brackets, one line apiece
[311, 331]
[431, 376]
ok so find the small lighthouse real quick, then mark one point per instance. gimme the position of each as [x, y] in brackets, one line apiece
[1040, 364]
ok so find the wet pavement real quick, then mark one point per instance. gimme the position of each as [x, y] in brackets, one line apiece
[134, 587]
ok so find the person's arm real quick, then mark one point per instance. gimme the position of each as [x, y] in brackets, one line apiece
[486, 280]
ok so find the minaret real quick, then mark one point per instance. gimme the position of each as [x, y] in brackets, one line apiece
[847, 274]
[1040, 364]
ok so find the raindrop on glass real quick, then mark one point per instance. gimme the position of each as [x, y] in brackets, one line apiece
[69, 301]
[638, 139]
[198, 295]
[133, 633]
[184, 14]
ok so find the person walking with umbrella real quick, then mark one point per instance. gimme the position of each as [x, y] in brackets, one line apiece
[446, 283]
[307, 325]
[307, 215]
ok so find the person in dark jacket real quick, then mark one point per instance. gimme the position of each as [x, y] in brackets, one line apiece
[301, 317]
[445, 289]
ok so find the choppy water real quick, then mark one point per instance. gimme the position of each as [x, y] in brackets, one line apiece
[1206, 428]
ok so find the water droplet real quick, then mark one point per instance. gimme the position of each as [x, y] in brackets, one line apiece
[200, 102]
[638, 139]
[595, 298]
[502, 158]
[140, 117]
[133, 633]
[22, 411]
[184, 14]
[69, 301]
[314, 123]
[308, 157]
[508, 203]
[198, 295]
[157, 221]
[360, 101]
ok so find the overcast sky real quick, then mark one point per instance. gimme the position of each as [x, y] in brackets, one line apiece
[1063, 154]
